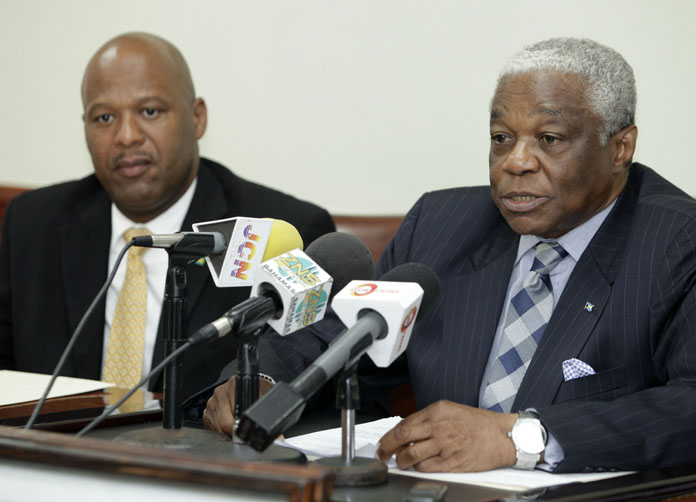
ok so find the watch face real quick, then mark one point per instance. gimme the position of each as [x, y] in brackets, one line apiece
[528, 437]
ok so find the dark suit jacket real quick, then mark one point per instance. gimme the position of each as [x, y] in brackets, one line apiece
[54, 259]
[639, 410]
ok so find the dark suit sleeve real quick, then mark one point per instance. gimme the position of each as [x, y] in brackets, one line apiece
[655, 426]
[6, 342]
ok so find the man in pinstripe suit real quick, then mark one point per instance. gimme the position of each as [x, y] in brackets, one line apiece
[624, 315]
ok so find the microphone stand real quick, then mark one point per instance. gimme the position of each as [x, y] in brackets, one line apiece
[174, 310]
[171, 434]
[349, 469]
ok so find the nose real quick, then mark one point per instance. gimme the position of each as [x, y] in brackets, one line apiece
[521, 159]
[129, 132]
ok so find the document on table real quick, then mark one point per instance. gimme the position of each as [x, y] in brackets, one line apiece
[21, 387]
[328, 444]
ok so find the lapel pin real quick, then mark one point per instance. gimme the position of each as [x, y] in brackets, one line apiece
[201, 263]
[589, 306]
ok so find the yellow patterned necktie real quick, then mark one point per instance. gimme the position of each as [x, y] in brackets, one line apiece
[124, 354]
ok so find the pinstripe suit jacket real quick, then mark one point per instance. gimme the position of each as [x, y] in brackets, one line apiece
[639, 410]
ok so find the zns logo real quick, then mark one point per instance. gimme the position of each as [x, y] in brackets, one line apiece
[306, 275]
[245, 251]
[315, 302]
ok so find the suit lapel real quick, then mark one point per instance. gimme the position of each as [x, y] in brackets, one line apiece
[84, 248]
[572, 323]
[469, 323]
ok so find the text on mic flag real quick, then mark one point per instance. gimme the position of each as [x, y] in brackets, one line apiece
[247, 239]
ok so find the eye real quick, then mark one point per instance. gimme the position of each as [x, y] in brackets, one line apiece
[150, 112]
[104, 118]
[548, 139]
[500, 138]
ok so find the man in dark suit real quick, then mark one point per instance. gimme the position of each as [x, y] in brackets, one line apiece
[606, 377]
[142, 122]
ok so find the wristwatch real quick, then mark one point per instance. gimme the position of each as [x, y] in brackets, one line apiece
[529, 438]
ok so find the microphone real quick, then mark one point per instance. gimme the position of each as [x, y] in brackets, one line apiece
[391, 300]
[251, 241]
[381, 315]
[292, 290]
[203, 243]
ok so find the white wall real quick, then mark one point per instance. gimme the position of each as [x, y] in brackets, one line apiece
[358, 105]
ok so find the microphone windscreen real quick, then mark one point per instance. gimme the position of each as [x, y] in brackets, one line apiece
[423, 275]
[344, 257]
[220, 246]
[283, 238]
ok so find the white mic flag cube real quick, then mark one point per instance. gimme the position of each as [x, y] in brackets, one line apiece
[303, 286]
[246, 239]
[396, 302]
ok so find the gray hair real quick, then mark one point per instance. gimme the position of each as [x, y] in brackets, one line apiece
[611, 87]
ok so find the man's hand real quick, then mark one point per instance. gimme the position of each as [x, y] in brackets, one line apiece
[219, 410]
[450, 437]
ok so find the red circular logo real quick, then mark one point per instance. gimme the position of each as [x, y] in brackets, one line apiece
[408, 320]
[363, 289]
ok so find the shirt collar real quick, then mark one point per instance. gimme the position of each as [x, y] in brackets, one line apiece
[168, 222]
[574, 242]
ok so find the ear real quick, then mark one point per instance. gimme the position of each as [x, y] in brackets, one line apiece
[624, 143]
[200, 116]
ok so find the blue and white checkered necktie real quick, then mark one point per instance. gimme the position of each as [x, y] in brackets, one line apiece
[529, 313]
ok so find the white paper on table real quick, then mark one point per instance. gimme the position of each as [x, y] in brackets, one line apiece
[21, 387]
[328, 444]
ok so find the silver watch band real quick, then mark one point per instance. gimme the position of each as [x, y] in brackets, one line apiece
[527, 458]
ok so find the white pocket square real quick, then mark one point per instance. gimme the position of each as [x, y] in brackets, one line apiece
[575, 368]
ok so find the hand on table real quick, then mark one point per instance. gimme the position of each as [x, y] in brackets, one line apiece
[450, 437]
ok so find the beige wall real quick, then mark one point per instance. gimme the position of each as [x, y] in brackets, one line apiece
[358, 105]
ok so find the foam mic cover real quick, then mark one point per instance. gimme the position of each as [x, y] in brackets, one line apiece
[418, 273]
[344, 257]
[283, 238]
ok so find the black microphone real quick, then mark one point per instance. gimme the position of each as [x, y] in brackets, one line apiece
[381, 327]
[193, 243]
[330, 262]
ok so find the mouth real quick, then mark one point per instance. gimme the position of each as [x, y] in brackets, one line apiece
[522, 202]
[132, 167]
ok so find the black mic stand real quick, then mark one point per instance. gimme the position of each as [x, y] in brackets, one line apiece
[349, 469]
[174, 310]
[171, 435]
